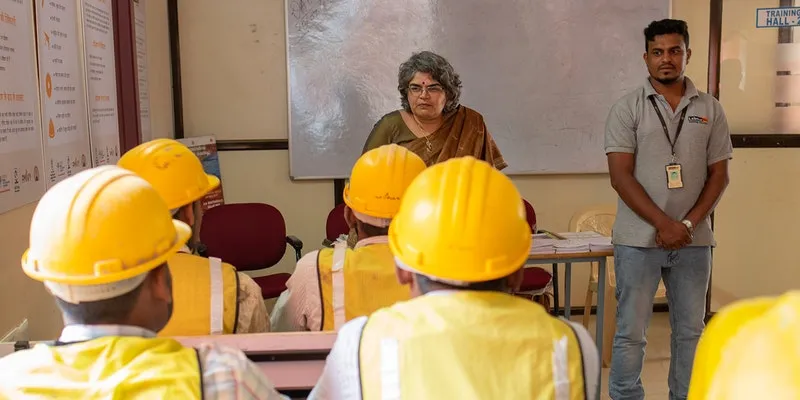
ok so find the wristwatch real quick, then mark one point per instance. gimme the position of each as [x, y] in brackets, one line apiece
[689, 226]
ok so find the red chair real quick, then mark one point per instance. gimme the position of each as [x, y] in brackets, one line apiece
[336, 225]
[250, 236]
[536, 281]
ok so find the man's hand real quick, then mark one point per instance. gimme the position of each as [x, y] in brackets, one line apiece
[673, 235]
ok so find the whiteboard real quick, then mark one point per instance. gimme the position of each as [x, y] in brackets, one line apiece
[544, 74]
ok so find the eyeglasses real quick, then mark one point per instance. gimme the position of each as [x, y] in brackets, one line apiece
[432, 89]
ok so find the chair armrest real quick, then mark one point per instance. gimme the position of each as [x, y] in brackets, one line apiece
[297, 244]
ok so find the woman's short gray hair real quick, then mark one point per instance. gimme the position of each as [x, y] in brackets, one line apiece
[441, 71]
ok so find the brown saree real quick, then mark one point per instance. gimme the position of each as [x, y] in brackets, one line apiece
[463, 133]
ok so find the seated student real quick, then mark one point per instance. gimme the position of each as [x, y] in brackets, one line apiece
[750, 350]
[178, 176]
[460, 240]
[100, 241]
[332, 286]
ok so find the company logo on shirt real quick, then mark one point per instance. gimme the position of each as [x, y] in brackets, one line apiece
[698, 120]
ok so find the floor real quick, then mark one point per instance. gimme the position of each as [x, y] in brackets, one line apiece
[656, 365]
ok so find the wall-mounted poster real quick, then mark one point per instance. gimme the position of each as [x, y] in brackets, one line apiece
[65, 128]
[22, 175]
[101, 76]
[205, 148]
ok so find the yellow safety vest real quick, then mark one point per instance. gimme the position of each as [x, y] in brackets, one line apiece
[357, 282]
[205, 293]
[469, 345]
[112, 367]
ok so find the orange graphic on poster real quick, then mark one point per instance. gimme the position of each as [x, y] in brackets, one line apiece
[47, 39]
[51, 130]
[48, 85]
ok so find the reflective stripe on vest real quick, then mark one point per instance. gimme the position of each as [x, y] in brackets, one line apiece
[356, 282]
[488, 345]
[205, 295]
[112, 367]
[217, 301]
[337, 284]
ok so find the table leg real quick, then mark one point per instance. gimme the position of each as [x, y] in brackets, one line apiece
[567, 290]
[601, 295]
[555, 289]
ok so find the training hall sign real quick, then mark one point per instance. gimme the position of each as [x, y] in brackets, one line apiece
[780, 17]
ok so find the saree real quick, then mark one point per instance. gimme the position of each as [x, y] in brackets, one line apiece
[463, 133]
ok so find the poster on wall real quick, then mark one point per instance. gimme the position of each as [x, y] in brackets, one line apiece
[21, 170]
[205, 148]
[65, 126]
[101, 76]
[141, 62]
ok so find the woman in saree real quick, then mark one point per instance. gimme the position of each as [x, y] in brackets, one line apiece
[431, 122]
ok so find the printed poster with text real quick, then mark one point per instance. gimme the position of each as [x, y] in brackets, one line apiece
[141, 72]
[101, 74]
[65, 127]
[205, 148]
[22, 175]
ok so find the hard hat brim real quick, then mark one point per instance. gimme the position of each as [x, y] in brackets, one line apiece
[182, 234]
[213, 183]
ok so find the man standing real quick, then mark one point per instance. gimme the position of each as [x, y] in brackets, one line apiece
[668, 147]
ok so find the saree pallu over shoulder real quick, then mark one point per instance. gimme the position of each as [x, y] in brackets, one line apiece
[463, 133]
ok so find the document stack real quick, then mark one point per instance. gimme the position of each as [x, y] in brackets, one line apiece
[543, 244]
[573, 243]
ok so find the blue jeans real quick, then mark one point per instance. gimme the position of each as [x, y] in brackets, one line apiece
[685, 273]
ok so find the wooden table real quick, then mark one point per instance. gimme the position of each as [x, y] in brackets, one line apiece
[568, 259]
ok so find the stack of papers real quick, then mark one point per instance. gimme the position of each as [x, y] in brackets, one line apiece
[572, 246]
[574, 242]
[543, 245]
[602, 243]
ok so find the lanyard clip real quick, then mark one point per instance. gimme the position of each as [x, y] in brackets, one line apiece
[673, 158]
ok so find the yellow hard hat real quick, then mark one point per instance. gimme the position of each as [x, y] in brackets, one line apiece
[379, 178]
[102, 225]
[750, 350]
[172, 169]
[461, 220]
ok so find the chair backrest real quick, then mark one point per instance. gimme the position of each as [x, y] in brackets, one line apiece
[597, 218]
[336, 224]
[249, 236]
[530, 214]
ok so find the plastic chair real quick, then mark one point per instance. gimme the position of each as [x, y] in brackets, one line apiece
[251, 237]
[600, 219]
[537, 283]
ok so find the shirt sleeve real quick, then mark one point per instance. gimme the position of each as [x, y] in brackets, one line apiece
[253, 316]
[591, 360]
[719, 144]
[229, 374]
[299, 307]
[340, 378]
[620, 136]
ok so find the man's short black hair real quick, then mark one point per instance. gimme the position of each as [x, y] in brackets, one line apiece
[372, 230]
[427, 285]
[114, 311]
[665, 27]
[111, 311]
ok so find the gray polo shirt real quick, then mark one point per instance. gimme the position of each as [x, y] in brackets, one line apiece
[633, 127]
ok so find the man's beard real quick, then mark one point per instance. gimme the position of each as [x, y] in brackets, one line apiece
[667, 81]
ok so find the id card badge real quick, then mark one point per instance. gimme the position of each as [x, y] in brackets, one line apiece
[674, 176]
